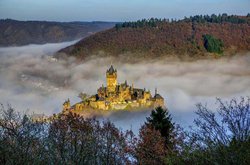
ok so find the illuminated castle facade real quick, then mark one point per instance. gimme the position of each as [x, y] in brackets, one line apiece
[117, 96]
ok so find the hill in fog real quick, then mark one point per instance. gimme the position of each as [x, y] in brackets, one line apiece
[190, 38]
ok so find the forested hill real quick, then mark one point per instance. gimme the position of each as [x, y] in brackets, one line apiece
[15, 33]
[190, 37]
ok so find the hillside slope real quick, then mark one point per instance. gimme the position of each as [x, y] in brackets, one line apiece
[15, 33]
[182, 39]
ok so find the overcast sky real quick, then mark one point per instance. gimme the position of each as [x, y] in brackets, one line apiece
[116, 10]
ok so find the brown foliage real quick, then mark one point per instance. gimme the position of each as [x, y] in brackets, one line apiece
[151, 146]
[70, 139]
[181, 38]
[77, 140]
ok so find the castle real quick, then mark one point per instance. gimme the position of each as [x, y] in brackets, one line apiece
[116, 96]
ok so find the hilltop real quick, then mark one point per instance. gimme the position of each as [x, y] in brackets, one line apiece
[16, 33]
[194, 37]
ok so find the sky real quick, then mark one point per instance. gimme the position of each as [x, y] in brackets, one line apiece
[116, 10]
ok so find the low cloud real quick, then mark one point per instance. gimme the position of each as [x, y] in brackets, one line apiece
[31, 79]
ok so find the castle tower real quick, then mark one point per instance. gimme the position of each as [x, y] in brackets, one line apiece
[111, 79]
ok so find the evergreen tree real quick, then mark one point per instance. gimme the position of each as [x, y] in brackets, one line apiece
[161, 120]
[213, 44]
[118, 26]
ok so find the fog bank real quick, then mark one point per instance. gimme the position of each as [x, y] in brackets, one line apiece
[31, 79]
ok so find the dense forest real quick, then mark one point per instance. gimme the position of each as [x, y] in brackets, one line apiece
[196, 37]
[218, 136]
[154, 22]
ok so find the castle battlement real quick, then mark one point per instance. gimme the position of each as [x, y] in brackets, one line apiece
[116, 96]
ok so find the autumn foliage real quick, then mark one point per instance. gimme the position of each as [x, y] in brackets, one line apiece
[72, 139]
[151, 146]
[157, 38]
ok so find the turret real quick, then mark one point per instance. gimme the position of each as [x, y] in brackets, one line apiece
[111, 79]
[66, 105]
[132, 89]
[159, 100]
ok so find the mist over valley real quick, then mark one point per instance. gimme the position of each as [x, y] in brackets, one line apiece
[124, 82]
[32, 79]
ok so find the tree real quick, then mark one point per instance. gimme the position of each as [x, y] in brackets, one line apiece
[118, 26]
[20, 138]
[222, 136]
[75, 140]
[112, 145]
[212, 44]
[161, 120]
[71, 140]
[150, 148]
[67, 139]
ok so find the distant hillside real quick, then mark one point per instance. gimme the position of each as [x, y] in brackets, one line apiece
[14, 33]
[190, 37]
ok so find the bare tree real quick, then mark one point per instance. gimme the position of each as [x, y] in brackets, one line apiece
[223, 135]
[232, 121]
[20, 138]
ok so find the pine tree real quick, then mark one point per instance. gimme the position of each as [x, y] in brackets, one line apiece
[161, 120]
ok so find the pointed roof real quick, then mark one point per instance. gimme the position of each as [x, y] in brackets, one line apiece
[111, 69]
[158, 96]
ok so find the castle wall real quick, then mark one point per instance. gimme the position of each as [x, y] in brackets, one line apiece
[134, 104]
[125, 95]
[118, 106]
[101, 105]
[93, 104]
[147, 95]
[79, 107]
[98, 105]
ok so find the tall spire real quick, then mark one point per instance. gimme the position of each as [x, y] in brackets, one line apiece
[155, 91]
[111, 69]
